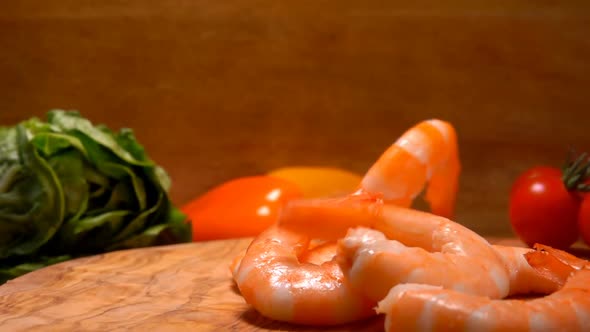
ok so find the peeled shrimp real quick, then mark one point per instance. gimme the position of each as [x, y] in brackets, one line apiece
[273, 278]
[523, 278]
[273, 275]
[425, 153]
[418, 307]
[314, 263]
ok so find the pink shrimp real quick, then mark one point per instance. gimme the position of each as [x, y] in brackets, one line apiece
[425, 153]
[273, 275]
[374, 264]
[424, 233]
[420, 307]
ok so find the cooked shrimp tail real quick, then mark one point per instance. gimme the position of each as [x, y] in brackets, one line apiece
[425, 153]
[524, 279]
[554, 264]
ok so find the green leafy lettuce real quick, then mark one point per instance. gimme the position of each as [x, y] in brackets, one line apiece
[69, 188]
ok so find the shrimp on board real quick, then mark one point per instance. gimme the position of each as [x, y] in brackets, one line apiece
[416, 307]
[278, 279]
[374, 264]
[274, 279]
[523, 278]
[286, 280]
[427, 248]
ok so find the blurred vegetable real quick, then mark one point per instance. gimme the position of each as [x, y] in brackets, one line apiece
[239, 208]
[68, 189]
[320, 181]
[542, 210]
[545, 203]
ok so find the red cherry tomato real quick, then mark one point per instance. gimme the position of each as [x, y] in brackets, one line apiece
[584, 194]
[239, 208]
[542, 210]
[584, 219]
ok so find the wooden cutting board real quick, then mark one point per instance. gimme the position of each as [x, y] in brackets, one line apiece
[170, 288]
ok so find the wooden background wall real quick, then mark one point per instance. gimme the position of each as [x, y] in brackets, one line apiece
[220, 89]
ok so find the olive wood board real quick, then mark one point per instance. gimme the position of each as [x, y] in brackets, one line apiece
[185, 287]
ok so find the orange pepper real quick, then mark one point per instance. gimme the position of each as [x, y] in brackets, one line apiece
[241, 207]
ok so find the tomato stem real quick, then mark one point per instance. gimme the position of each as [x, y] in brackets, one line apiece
[576, 172]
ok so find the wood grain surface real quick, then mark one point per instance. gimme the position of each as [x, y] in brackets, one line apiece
[221, 89]
[181, 287]
[171, 288]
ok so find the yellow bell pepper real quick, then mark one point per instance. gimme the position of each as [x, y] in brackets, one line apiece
[319, 181]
